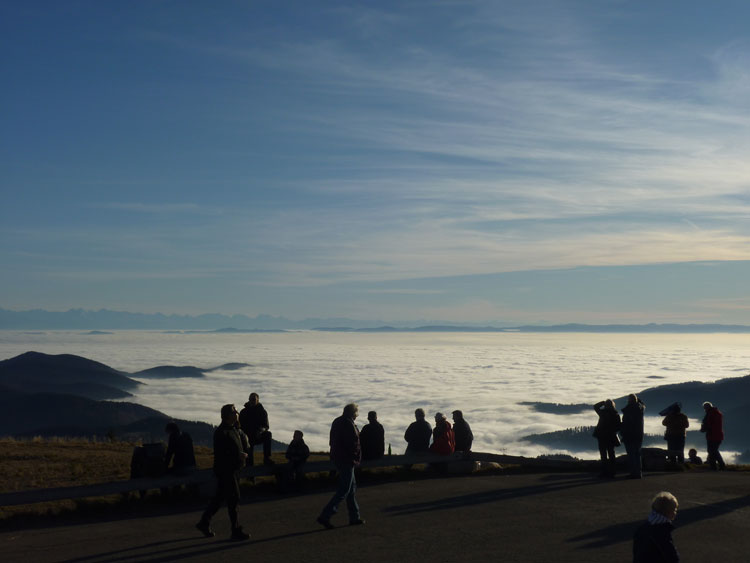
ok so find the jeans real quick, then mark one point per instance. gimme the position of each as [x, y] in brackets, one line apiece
[346, 489]
[714, 455]
[633, 449]
[227, 488]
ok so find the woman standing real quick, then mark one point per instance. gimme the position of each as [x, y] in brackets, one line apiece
[606, 434]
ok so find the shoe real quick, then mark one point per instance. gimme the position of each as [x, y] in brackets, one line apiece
[205, 529]
[357, 522]
[269, 462]
[325, 523]
[238, 534]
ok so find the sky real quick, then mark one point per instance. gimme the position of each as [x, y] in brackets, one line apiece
[516, 162]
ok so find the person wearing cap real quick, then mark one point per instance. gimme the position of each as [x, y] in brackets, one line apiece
[462, 432]
[372, 438]
[443, 440]
[652, 541]
[254, 423]
[229, 458]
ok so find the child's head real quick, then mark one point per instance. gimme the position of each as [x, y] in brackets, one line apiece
[297, 435]
[665, 504]
[692, 452]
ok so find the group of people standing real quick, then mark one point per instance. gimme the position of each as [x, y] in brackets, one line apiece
[630, 427]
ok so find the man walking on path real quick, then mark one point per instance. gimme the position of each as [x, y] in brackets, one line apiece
[632, 434]
[346, 454]
[254, 423]
[229, 458]
[713, 426]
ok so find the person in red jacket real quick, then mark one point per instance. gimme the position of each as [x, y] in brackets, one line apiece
[713, 426]
[443, 440]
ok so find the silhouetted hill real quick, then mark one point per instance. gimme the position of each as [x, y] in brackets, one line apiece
[64, 373]
[165, 372]
[731, 395]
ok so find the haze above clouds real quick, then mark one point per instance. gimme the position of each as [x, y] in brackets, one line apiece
[477, 161]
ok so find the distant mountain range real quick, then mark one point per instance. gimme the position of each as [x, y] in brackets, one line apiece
[102, 320]
[61, 395]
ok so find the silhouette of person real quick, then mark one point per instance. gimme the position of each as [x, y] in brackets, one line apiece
[372, 438]
[443, 440]
[418, 434]
[652, 542]
[254, 423]
[179, 448]
[462, 432]
[229, 458]
[297, 453]
[346, 454]
[693, 457]
[606, 434]
[713, 426]
[632, 434]
[677, 424]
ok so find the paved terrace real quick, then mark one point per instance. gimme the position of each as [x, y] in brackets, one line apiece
[546, 517]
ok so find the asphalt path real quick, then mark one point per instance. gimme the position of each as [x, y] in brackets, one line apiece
[518, 517]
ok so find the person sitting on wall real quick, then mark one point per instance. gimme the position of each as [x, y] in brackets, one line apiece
[179, 448]
[297, 453]
[462, 432]
[254, 423]
[693, 457]
[443, 440]
[372, 438]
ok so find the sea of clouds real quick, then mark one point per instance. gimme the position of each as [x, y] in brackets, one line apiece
[305, 378]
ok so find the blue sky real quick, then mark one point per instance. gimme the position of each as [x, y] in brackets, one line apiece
[469, 161]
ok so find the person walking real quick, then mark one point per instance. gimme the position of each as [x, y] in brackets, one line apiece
[652, 542]
[346, 454]
[229, 458]
[713, 426]
[677, 424]
[632, 434]
[606, 435]
[254, 423]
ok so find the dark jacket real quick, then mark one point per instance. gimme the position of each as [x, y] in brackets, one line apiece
[297, 452]
[608, 425]
[463, 435]
[632, 422]
[181, 448]
[344, 442]
[418, 436]
[228, 450]
[653, 544]
[443, 440]
[713, 425]
[676, 423]
[372, 439]
[253, 420]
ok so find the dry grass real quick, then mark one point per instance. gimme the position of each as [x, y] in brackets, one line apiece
[46, 463]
